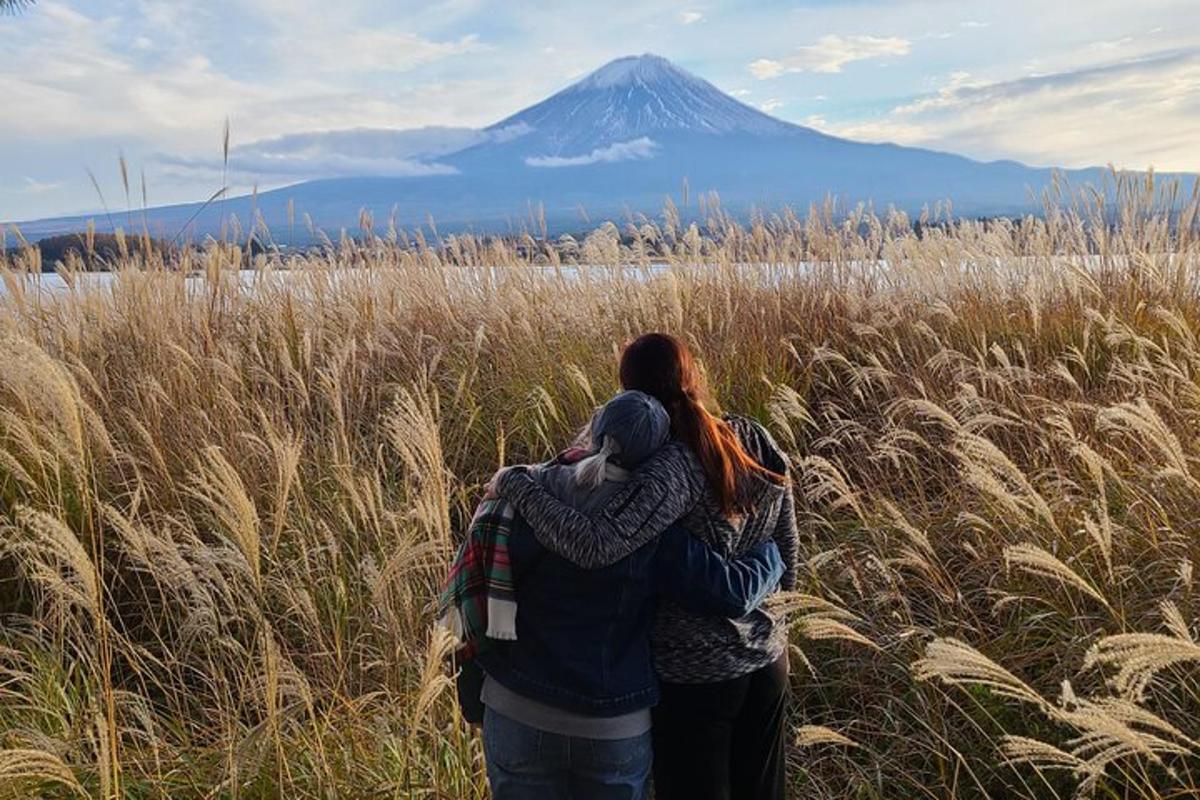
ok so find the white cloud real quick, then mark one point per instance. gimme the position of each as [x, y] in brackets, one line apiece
[829, 54]
[342, 153]
[741, 92]
[285, 170]
[99, 85]
[971, 23]
[621, 151]
[173, 100]
[370, 50]
[770, 105]
[420, 143]
[395, 153]
[1112, 44]
[303, 37]
[34, 186]
[1134, 113]
[690, 17]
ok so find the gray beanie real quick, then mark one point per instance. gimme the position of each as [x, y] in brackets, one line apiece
[636, 422]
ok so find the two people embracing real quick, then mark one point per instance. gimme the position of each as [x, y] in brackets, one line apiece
[610, 602]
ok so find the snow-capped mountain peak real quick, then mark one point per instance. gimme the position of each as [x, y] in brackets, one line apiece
[645, 70]
[634, 97]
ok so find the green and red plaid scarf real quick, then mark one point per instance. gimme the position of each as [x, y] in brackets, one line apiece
[478, 601]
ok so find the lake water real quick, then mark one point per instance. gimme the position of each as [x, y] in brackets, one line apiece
[51, 283]
[54, 283]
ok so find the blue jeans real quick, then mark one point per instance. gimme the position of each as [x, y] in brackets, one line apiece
[524, 763]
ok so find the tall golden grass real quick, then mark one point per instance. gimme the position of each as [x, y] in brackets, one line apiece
[224, 509]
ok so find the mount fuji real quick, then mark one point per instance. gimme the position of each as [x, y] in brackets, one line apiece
[621, 140]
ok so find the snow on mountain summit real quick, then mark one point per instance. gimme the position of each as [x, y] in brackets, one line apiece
[644, 69]
[634, 97]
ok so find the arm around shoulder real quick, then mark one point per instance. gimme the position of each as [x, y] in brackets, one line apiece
[701, 580]
[658, 493]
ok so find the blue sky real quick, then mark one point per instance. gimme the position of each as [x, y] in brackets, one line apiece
[1049, 83]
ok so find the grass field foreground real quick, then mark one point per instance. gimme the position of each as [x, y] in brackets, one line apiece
[224, 510]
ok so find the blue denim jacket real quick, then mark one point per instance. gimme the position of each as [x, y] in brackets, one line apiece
[583, 636]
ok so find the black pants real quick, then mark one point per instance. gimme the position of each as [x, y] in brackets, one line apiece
[722, 741]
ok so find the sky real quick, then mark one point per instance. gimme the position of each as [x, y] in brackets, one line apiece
[86, 84]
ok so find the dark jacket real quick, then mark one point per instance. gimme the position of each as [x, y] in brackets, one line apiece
[583, 636]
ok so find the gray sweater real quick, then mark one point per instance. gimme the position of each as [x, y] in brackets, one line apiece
[670, 487]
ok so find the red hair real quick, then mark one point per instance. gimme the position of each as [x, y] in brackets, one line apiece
[662, 366]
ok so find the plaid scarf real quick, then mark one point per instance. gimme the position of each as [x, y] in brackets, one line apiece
[478, 601]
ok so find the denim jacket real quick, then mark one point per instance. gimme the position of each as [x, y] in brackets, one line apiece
[583, 636]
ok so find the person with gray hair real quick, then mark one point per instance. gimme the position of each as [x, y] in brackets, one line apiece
[567, 702]
[624, 432]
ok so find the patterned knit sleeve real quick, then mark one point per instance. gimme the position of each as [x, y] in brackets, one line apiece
[759, 443]
[787, 538]
[660, 491]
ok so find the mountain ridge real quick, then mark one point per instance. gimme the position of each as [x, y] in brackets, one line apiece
[621, 139]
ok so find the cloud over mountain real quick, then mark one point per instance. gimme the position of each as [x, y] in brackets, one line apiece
[344, 153]
[642, 147]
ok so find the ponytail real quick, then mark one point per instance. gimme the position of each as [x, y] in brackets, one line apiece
[726, 463]
[662, 366]
[591, 471]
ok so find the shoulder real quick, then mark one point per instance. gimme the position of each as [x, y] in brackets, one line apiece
[759, 443]
[673, 463]
[677, 457]
[558, 479]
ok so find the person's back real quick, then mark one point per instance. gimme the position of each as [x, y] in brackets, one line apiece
[581, 664]
[583, 636]
[699, 648]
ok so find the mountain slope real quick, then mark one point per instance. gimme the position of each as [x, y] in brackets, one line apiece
[622, 140]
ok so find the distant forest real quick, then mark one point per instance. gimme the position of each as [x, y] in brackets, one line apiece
[103, 253]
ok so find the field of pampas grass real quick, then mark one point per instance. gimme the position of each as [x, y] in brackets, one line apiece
[226, 506]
